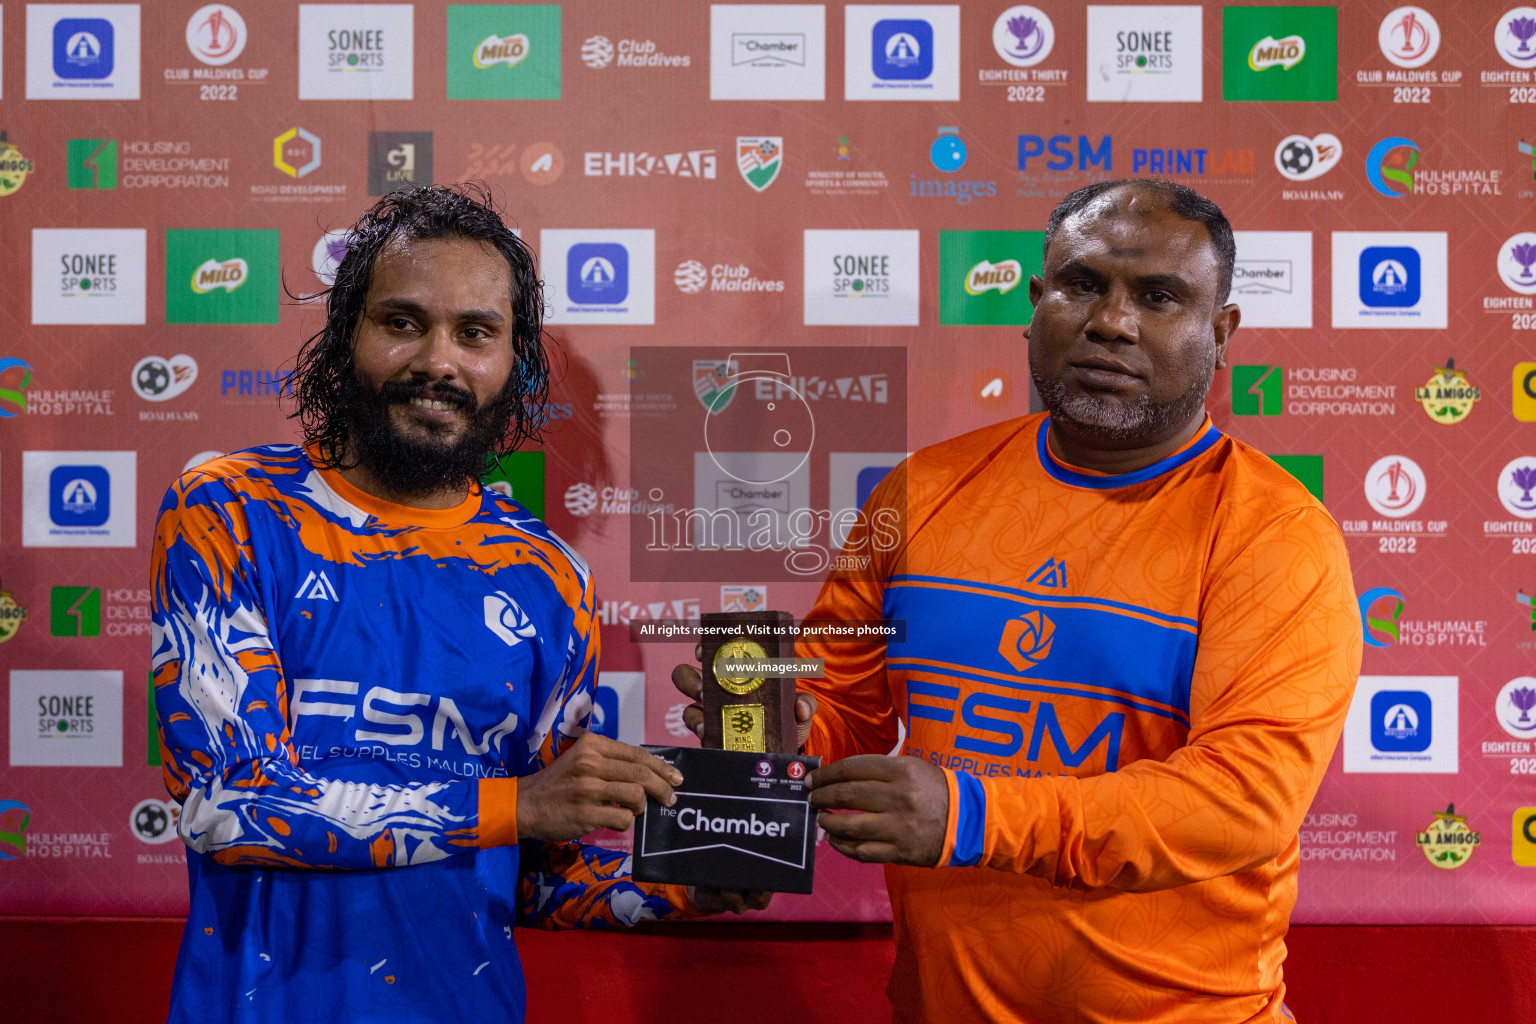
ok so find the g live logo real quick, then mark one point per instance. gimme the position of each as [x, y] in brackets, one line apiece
[1523, 841]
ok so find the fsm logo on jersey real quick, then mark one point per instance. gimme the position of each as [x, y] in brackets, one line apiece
[1389, 279]
[79, 499]
[1144, 54]
[767, 52]
[599, 277]
[1403, 725]
[82, 51]
[907, 52]
[356, 52]
[88, 276]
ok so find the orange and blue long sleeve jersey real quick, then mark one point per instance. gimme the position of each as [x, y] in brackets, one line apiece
[1134, 685]
[348, 691]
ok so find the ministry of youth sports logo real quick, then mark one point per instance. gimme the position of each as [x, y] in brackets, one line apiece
[1395, 486]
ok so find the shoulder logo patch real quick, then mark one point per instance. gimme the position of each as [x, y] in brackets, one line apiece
[504, 618]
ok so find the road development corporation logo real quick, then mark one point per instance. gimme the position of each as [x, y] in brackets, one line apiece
[296, 152]
[216, 34]
[1402, 725]
[759, 158]
[1409, 37]
[1389, 279]
[1302, 158]
[906, 52]
[767, 52]
[82, 51]
[1515, 703]
[221, 277]
[158, 379]
[1279, 53]
[1512, 37]
[1516, 257]
[1448, 396]
[857, 278]
[79, 499]
[60, 718]
[599, 277]
[1517, 487]
[1023, 36]
[1448, 843]
[1395, 486]
[1144, 54]
[504, 51]
[88, 276]
[356, 52]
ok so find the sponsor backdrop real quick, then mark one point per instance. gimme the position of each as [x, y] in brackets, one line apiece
[803, 179]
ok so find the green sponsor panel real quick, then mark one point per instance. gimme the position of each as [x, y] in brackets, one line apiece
[91, 163]
[1258, 390]
[221, 277]
[504, 51]
[74, 611]
[1280, 53]
[1306, 468]
[984, 276]
[520, 476]
[152, 758]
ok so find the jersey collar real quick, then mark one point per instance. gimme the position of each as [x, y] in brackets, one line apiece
[1076, 477]
[393, 514]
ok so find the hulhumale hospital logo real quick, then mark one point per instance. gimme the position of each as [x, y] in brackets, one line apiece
[1389, 166]
[1380, 608]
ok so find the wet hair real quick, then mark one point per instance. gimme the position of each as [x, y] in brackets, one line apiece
[324, 369]
[1183, 201]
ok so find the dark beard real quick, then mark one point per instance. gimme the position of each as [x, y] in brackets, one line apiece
[1121, 426]
[414, 466]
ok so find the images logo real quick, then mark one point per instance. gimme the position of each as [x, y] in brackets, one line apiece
[1257, 390]
[981, 274]
[91, 163]
[1026, 640]
[74, 611]
[1389, 276]
[156, 379]
[504, 51]
[14, 393]
[1448, 396]
[15, 816]
[759, 158]
[221, 277]
[1395, 486]
[1447, 842]
[398, 160]
[1516, 256]
[296, 152]
[1389, 166]
[1023, 36]
[1279, 53]
[1517, 481]
[902, 49]
[1300, 158]
[1409, 37]
[948, 151]
[1512, 37]
[1514, 705]
[216, 34]
[1380, 608]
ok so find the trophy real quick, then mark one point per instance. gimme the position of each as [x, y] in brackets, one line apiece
[752, 712]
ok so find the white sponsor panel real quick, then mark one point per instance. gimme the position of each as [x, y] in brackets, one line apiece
[1144, 54]
[356, 51]
[1403, 725]
[1389, 280]
[1272, 281]
[88, 275]
[862, 278]
[78, 499]
[767, 52]
[62, 717]
[82, 51]
[901, 52]
[599, 277]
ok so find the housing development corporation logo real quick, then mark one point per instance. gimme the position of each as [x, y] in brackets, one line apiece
[1279, 53]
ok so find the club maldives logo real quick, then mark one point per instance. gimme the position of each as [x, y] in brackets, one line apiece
[1448, 396]
[508, 50]
[1389, 166]
[1380, 608]
[1395, 486]
[1409, 37]
[1447, 842]
[1301, 158]
[1517, 482]
[15, 375]
[216, 34]
[1023, 36]
[1514, 706]
[1026, 640]
[1516, 256]
[1270, 52]
[1512, 37]
[760, 158]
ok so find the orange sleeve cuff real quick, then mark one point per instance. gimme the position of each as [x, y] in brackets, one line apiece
[498, 812]
[951, 819]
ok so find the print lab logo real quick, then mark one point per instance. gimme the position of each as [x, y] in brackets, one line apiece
[1380, 610]
[156, 379]
[82, 51]
[1300, 158]
[1409, 37]
[216, 34]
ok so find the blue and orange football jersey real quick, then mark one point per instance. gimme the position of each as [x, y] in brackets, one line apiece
[347, 692]
[1134, 685]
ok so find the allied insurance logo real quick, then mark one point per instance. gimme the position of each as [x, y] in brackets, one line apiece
[1447, 841]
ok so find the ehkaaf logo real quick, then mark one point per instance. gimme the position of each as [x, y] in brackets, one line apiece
[1026, 640]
